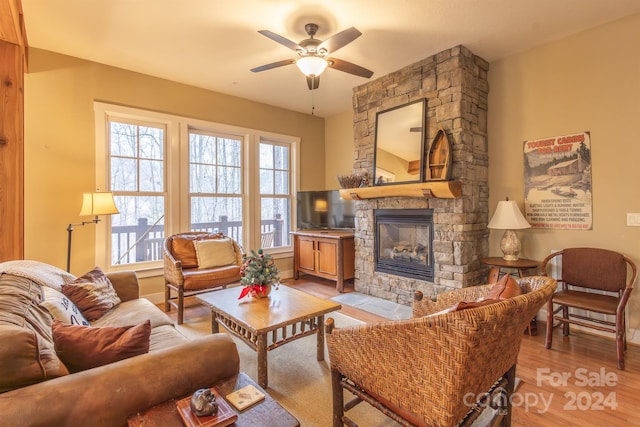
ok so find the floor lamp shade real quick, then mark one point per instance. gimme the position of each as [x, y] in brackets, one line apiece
[94, 204]
[98, 204]
[509, 218]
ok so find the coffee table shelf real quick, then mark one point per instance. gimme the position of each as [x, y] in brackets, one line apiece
[267, 323]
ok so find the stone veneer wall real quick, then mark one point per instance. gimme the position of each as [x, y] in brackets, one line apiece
[454, 83]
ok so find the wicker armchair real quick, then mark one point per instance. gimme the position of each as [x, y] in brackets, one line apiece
[185, 277]
[435, 370]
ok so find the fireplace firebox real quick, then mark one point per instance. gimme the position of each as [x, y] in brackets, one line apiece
[404, 240]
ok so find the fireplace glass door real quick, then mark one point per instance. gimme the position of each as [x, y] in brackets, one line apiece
[404, 240]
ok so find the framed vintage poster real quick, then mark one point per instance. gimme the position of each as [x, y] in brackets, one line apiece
[557, 182]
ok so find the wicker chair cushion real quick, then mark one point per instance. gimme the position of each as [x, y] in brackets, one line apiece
[183, 249]
[195, 279]
[505, 288]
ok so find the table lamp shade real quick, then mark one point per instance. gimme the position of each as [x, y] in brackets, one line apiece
[98, 204]
[508, 217]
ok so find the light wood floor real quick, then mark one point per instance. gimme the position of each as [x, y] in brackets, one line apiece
[593, 392]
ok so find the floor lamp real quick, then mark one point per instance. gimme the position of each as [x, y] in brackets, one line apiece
[92, 204]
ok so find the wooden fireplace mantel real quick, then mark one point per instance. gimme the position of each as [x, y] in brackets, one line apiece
[440, 189]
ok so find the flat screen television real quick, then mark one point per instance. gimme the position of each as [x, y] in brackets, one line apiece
[325, 209]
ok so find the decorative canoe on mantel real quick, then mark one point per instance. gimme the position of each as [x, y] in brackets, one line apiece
[439, 158]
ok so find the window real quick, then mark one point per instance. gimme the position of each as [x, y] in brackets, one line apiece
[215, 183]
[171, 174]
[137, 176]
[275, 194]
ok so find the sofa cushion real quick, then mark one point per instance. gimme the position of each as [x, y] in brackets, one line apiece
[214, 253]
[62, 308]
[27, 354]
[165, 336]
[86, 347]
[133, 312]
[92, 293]
[183, 249]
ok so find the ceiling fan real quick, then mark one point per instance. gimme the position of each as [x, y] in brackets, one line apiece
[313, 59]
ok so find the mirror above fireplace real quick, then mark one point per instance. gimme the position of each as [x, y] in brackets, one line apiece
[399, 144]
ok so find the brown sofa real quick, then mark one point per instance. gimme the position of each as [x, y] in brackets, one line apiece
[107, 395]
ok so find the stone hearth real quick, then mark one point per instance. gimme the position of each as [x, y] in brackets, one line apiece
[454, 83]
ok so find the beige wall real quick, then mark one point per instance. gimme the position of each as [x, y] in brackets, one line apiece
[587, 82]
[338, 148]
[60, 147]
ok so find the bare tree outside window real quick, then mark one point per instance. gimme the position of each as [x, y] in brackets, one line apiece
[215, 183]
[138, 182]
[275, 194]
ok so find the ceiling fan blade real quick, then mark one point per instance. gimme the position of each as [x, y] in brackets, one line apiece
[282, 40]
[313, 82]
[348, 67]
[339, 40]
[273, 65]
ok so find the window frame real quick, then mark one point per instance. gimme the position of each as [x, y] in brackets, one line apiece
[177, 202]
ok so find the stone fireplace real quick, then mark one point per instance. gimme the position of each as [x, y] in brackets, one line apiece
[454, 84]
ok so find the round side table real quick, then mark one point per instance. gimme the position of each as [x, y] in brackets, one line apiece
[522, 265]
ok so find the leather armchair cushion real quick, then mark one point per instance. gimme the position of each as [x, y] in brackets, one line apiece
[183, 249]
[195, 279]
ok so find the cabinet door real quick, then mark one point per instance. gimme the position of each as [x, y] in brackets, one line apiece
[328, 257]
[306, 254]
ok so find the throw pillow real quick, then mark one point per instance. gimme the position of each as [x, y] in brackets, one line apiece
[504, 288]
[93, 293]
[85, 347]
[214, 253]
[62, 308]
[183, 249]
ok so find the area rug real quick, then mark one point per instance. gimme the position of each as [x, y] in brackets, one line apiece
[378, 306]
[297, 380]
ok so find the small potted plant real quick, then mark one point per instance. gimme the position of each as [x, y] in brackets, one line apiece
[259, 274]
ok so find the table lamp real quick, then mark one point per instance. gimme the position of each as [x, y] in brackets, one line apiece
[509, 218]
[92, 204]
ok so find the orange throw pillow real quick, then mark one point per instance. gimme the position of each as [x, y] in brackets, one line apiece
[86, 347]
[504, 288]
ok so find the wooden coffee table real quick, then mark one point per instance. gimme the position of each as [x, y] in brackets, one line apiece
[266, 323]
[267, 413]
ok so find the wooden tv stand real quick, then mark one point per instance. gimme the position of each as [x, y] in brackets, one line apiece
[324, 253]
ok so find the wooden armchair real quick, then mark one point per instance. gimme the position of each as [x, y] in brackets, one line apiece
[184, 271]
[435, 369]
[585, 270]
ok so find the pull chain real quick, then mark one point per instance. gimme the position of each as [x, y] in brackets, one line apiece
[313, 106]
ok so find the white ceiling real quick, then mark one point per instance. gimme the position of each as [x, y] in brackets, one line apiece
[214, 43]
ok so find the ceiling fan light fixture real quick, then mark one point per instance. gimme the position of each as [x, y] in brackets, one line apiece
[312, 66]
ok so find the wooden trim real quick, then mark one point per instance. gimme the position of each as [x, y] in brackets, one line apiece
[440, 189]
